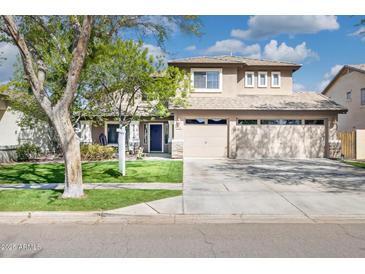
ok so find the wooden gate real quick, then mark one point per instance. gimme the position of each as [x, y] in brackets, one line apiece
[348, 143]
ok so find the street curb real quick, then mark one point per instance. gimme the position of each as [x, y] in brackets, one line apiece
[94, 217]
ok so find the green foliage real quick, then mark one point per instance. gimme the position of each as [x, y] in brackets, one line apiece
[125, 79]
[27, 152]
[94, 172]
[96, 152]
[95, 199]
[52, 40]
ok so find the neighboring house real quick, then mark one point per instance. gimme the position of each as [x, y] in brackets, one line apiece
[348, 89]
[239, 108]
[12, 135]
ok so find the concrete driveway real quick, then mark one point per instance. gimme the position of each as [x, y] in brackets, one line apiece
[292, 188]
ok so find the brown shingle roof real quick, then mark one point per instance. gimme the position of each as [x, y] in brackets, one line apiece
[231, 60]
[295, 101]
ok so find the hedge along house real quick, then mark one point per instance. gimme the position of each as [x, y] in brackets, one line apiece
[239, 108]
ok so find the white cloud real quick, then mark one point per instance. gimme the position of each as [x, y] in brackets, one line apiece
[328, 76]
[298, 87]
[154, 51]
[267, 26]
[191, 48]
[235, 47]
[9, 53]
[283, 52]
[359, 33]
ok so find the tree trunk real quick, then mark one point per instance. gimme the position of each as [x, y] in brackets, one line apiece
[70, 144]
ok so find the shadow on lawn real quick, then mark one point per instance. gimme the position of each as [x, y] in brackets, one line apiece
[112, 172]
[32, 173]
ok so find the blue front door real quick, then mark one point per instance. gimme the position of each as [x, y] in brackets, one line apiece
[155, 137]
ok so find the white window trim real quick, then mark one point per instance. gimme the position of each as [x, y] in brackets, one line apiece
[272, 79]
[206, 70]
[253, 79]
[258, 79]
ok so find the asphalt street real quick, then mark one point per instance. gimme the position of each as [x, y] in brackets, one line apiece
[183, 240]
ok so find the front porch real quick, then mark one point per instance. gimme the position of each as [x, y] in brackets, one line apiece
[154, 136]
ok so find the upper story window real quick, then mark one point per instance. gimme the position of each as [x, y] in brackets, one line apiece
[275, 79]
[363, 96]
[207, 80]
[249, 79]
[348, 95]
[262, 79]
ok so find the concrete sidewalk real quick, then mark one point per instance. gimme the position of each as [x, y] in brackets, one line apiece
[165, 186]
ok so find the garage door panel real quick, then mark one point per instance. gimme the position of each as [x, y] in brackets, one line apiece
[280, 141]
[205, 141]
[314, 141]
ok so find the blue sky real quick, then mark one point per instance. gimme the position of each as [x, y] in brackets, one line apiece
[321, 43]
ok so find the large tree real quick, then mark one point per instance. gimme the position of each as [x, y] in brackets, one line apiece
[56, 51]
[128, 83]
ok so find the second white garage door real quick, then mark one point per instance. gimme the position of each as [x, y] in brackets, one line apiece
[205, 141]
[280, 141]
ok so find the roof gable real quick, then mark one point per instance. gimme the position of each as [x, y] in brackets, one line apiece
[345, 69]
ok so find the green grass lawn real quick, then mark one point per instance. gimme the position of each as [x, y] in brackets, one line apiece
[94, 172]
[357, 164]
[100, 199]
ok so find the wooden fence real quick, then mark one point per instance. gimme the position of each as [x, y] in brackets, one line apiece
[348, 144]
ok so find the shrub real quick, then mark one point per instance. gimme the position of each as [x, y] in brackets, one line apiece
[97, 152]
[27, 152]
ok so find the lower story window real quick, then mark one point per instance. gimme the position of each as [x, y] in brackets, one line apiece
[314, 122]
[197, 121]
[217, 121]
[112, 133]
[247, 122]
[291, 122]
[281, 122]
[270, 122]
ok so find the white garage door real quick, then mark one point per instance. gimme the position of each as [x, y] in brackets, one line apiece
[280, 141]
[208, 141]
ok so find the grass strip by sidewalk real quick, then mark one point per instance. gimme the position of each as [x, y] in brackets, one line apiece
[357, 164]
[98, 199]
[94, 172]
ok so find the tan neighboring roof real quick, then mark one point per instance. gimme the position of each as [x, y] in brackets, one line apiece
[357, 67]
[360, 67]
[232, 60]
[296, 101]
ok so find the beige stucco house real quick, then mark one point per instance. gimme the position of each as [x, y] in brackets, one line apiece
[12, 135]
[239, 108]
[348, 89]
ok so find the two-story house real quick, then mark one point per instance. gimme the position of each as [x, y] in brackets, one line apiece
[348, 89]
[239, 108]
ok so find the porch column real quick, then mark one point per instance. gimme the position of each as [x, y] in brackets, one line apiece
[85, 132]
[177, 142]
[232, 139]
[334, 144]
[134, 142]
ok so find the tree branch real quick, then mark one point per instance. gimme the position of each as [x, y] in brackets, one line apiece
[78, 58]
[35, 82]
